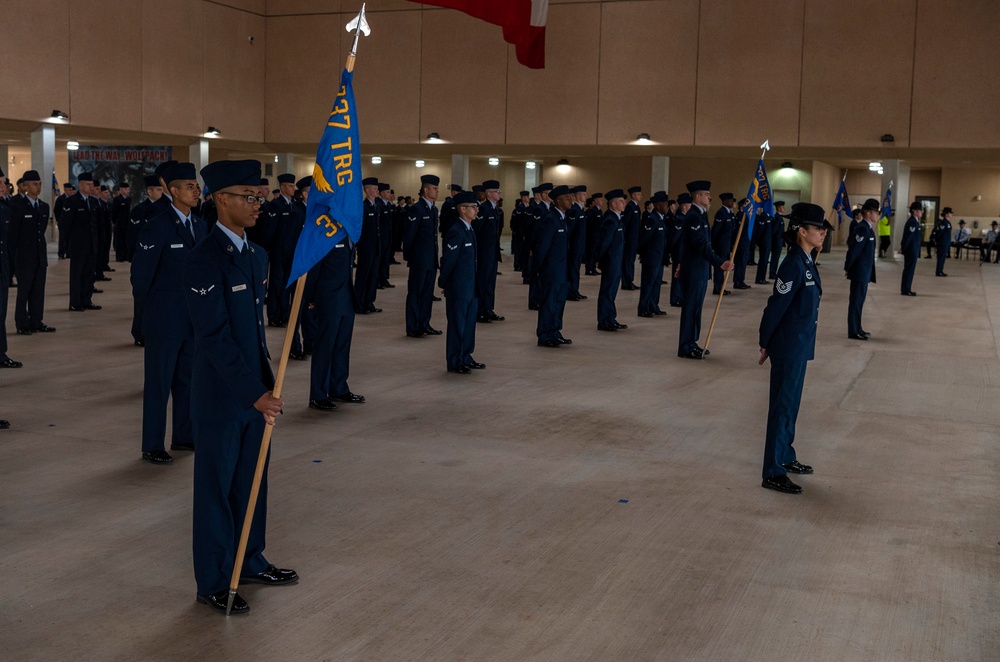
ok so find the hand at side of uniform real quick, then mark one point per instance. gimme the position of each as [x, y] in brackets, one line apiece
[763, 356]
[269, 406]
[728, 265]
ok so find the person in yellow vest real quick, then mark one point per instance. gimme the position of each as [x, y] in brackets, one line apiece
[884, 236]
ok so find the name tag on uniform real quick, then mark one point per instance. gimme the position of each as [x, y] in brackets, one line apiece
[871, 238]
[339, 246]
[561, 231]
[810, 282]
[659, 229]
[470, 243]
[239, 288]
[177, 245]
[621, 230]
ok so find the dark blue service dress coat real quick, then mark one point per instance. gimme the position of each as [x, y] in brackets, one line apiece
[576, 221]
[486, 226]
[942, 239]
[652, 243]
[459, 256]
[369, 244]
[158, 289]
[26, 241]
[722, 242]
[860, 267]
[329, 290]
[788, 333]
[80, 218]
[698, 256]
[225, 292]
[631, 220]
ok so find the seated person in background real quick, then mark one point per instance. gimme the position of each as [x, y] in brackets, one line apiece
[960, 239]
[990, 244]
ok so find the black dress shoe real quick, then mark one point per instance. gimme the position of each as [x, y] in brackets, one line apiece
[97, 291]
[704, 351]
[532, 307]
[741, 286]
[44, 328]
[461, 370]
[941, 275]
[182, 447]
[859, 336]
[277, 325]
[797, 467]
[483, 320]
[621, 326]
[157, 457]
[781, 484]
[388, 285]
[92, 306]
[102, 278]
[549, 343]
[415, 334]
[353, 398]
[271, 576]
[24, 332]
[77, 309]
[693, 354]
[606, 327]
[4, 425]
[499, 318]
[297, 356]
[430, 331]
[659, 312]
[751, 264]
[761, 282]
[675, 305]
[110, 270]
[475, 365]
[219, 601]
[645, 314]
[866, 335]
[373, 309]
[436, 298]
[573, 297]
[322, 405]
[909, 294]
[726, 293]
[564, 341]
[7, 362]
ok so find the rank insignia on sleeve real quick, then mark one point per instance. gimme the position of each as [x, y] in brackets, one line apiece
[203, 291]
[451, 248]
[145, 247]
[782, 287]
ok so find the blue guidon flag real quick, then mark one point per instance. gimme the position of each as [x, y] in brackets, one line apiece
[887, 202]
[759, 195]
[336, 199]
[842, 202]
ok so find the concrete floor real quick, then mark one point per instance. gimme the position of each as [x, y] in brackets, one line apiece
[596, 502]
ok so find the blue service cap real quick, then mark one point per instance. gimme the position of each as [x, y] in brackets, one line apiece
[305, 182]
[615, 193]
[465, 198]
[491, 183]
[730, 196]
[85, 177]
[369, 181]
[558, 191]
[578, 189]
[699, 185]
[635, 189]
[179, 171]
[223, 174]
[596, 196]
[163, 166]
[151, 180]
[684, 199]
[659, 196]
[805, 213]
[455, 187]
[547, 186]
[67, 184]
[478, 189]
[31, 176]
[433, 180]
[524, 193]
[286, 178]
[382, 186]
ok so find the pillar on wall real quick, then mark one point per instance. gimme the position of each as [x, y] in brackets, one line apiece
[459, 170]
[43, 157]
[285, 163]
[530, 177]
[5, 160]
[897, 172]
[661, 175]
[198, 155]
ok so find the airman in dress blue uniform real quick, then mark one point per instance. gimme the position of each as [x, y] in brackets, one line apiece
[762, 240]
[551, 247]
[859, 266]
[231, 388]
[367, 249]
[722, 237]
[576, 219]
[486, 226]
[595, 214]
[5, 361]
[788, 338]
[742, 248]
[941, 237]
[420, 250]
[652, 243]
[384, 235]
[285, 227]
[631, 220]
[910, 248]
[80, 218]
[675, 247]
[697, 257]
[777, 236]
[29, 221]
[609, 250]
[459, 256]
[164, 245]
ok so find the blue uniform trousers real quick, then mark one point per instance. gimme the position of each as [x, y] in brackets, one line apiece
[694, 298]
[461, 314]
[909, 266]
[486, 287]
[366, 280]
[740, 264]
[167, 365]
[649, 287]
[30, 299]
[611, 279]
[765, 252]
[331, 359]
[279, 298]
[81, 278]
[859, 290]
[787, 378]
[419, 297]
[534, 297]
[223, 473]
[676, 292]
[942, 255]
[551, 304]
[775, 258]
[718, 276]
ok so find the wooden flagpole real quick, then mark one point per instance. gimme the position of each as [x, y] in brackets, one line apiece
[359, 24]
[732, 257]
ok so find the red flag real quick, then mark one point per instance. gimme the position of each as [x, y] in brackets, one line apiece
[523, 23]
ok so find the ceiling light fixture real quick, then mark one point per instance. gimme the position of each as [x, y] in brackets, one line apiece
[434, 138]
[787, 164]
[494, 161]
[376, 160]
[72, 145]
[419, 163]
[530, 165]
[212, 132]
[643, 139]
[58, 116]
